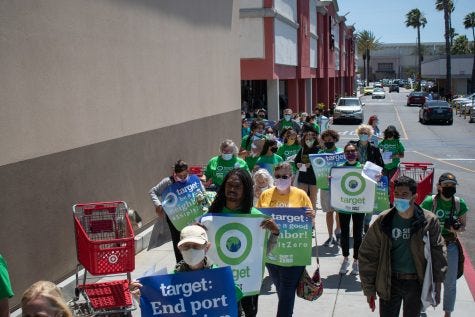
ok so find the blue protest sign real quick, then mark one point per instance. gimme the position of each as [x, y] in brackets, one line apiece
[202, 293]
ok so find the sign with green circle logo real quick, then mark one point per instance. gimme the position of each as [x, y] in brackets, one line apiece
[233, 243]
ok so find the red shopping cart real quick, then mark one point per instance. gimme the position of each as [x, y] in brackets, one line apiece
[422, 173]
[105, 246]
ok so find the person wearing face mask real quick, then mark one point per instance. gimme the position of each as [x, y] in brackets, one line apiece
[249, 143]
[351, 155]
[452, 214]
[261, 115]
[373, 121]
[391, 256]
[367, 152]
[393, 151]
[268, 158]
[284, 195]
[245, 129]
[180, 174]
[286, 122]
[329, 139]
[262, 180]
[235, 197]
[306, 177]
[218, 166]
[290, 148]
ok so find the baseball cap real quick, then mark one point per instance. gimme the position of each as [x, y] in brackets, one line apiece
[194, 234]
[447, 178]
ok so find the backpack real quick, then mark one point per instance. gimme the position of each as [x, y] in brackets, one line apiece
[456, 199]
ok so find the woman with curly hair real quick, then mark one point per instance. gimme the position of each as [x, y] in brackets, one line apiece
[44, 298]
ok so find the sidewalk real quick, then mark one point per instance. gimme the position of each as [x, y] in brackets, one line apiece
[342, 295]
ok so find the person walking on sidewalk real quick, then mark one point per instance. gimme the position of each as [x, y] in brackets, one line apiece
[180, 174]
[367, 152]
[285, 278]
[351, 154]
[286, 122]
[452, 214]
[393, 151]
[391, 256]
[329, 139]
[236, 196]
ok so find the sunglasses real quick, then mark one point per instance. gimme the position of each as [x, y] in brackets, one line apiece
[281, 176]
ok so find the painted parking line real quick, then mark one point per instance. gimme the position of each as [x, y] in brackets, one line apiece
[445, 162]
[402, 124]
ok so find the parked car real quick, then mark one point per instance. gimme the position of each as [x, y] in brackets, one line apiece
[472, 115]
[349, 108]
[378, 93]
[416, 98]
[436, 110]
[367, 90]
[394, 87]
[378, 85]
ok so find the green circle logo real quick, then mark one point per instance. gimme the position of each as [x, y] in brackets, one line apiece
[353, 184]
[319, 162]
[233, 243]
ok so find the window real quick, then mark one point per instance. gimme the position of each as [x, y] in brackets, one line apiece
[385, 67]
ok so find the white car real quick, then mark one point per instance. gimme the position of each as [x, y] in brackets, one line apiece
[348, 108]
[378, 93]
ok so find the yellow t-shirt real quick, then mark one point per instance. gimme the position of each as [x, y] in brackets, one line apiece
[270, 198]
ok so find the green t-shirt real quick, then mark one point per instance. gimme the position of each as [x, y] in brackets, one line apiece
[217, 168]
[254, 211]
[269, 162]
[286, 151]
[443, 212]
[244, 141]
[401, 255]
[317, 127]
[5, 285]
[393, 146]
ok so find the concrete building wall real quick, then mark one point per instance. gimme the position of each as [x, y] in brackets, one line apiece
[99, 99]
[251, 38]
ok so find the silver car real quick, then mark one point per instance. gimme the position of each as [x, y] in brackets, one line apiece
[349, 108]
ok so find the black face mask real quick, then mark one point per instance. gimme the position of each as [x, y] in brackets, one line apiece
[273, 149]
[329, 145]
[448, 192]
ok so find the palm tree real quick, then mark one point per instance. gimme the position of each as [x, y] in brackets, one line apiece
[366, 42]
[469, 22]
[448, 7]
[416, 19]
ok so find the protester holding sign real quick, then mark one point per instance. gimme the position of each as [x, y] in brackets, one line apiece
[329, 138]
[236, 197]
[367, 152]
[351, 154]
[451, 211]
[393, 151]
[220, 165]
[285, 278]
[306, 177]
[180, 174]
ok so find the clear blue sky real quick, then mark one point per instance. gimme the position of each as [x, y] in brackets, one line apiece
[385, 18]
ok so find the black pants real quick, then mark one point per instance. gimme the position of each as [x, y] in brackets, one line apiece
[175, 239]
[248, 306]
[358, 220]
[407, 291]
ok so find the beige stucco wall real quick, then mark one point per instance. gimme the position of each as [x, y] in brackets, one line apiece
[97, 101]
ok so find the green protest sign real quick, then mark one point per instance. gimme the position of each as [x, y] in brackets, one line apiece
[322, 164]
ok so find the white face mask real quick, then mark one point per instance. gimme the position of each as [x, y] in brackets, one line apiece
[309, 143]
[192, 256]
[283, 184]
[227, 156]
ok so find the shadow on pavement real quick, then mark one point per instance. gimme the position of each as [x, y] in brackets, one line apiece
[325, 252]
[332, 281]
[266, 286]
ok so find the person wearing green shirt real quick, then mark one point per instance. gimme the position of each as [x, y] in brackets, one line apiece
[251, 144]
[236, 196]
[220, 165]
[268, 159]
[442, 205]
[351, 155]
[5, 288]
[286, 122]
[329, 138]
[393, 151]
[290, 148]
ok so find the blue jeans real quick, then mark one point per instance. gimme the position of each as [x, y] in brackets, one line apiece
[285, 280]
[450, 282]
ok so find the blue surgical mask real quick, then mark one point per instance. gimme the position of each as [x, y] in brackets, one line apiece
[287, 117]
[227, 156]
[363, 137]
[401, 204]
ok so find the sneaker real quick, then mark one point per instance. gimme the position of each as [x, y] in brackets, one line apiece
[329, 243]
[355, 269]
[344, 266]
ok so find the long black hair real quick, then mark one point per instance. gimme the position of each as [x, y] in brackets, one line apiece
[391, 131]
[246, 204]
[268, 144]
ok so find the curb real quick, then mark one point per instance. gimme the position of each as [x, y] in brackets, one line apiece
[469, 272]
